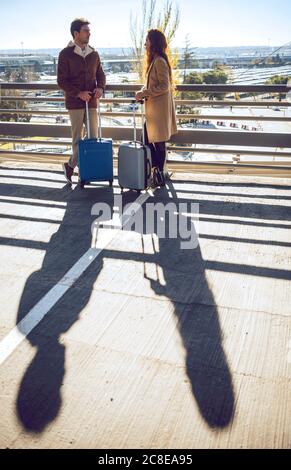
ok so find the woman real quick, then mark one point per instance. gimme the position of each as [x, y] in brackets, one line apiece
[159, 108]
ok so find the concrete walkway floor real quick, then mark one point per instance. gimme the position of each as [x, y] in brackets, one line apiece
[142, 343]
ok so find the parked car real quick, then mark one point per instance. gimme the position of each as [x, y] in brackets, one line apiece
[61, 120]
[132, 107]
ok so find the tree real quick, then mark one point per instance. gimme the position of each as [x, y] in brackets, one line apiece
[216, 76]
[193, 78]
[21, 75]
[8, 74]
[277, 59]
[278, 80]
[15, 115]
[186, 57]
[189, 78]
[167, 21]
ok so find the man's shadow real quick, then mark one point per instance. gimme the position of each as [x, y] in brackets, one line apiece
[39, 396]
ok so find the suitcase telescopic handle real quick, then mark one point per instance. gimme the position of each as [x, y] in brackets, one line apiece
[87, 120]
[142, 121]
[134, 120]
[149, 168]
[98, 120]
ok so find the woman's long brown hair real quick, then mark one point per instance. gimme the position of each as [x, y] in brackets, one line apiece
[158, 47]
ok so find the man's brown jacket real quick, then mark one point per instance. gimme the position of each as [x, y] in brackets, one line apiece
[77, 73]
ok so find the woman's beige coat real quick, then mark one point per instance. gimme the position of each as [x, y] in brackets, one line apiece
[159, 105]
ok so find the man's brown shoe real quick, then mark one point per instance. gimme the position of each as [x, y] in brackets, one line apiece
[68, 172]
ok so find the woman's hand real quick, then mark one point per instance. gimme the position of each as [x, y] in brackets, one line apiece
[139, 96]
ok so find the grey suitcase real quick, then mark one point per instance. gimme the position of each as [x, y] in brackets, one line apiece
[134, 162]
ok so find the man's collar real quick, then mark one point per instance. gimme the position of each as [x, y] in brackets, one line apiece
[79, 51]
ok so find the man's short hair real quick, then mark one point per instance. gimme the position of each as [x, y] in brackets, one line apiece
[77, 24]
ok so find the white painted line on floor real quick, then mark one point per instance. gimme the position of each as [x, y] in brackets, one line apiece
[28, 200]
[12, 340]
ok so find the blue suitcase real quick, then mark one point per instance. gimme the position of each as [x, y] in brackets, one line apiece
[95, 156]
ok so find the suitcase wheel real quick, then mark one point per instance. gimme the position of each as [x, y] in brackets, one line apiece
[121, 189]
[110, 182]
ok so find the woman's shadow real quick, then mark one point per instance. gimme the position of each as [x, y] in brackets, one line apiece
[39, 396]
[185, 284]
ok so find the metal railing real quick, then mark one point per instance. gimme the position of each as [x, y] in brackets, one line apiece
[239, 143]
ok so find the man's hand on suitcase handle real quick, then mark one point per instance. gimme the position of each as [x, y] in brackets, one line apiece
[88, 95]
[85, 95]
[98, 92]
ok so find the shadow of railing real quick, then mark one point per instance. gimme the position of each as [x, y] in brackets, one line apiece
[184, 284]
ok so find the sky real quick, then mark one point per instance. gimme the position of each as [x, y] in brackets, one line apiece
[31, 24]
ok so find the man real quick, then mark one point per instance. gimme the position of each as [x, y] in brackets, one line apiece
[81, 76]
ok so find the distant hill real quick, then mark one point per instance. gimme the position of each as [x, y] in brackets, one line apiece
[55, 52]
[200, 52]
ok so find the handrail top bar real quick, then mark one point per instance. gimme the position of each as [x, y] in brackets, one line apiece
[134, 87]
[212, 103]
[210, 117]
